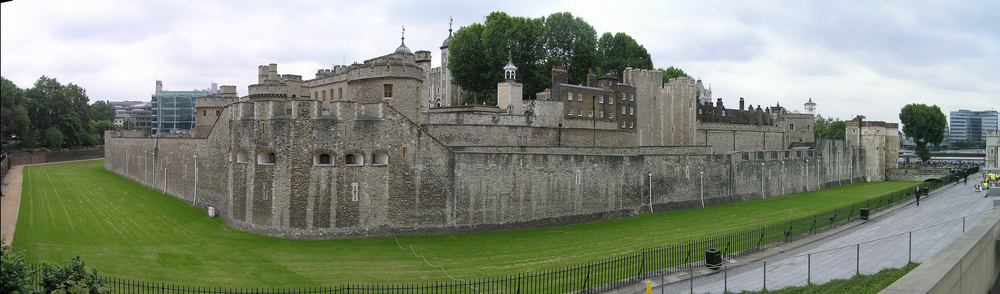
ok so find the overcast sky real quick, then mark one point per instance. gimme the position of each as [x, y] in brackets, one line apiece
[851, 57]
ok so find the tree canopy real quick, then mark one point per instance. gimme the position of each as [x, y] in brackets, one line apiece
[479, 52]
[672, 72]
[50, 113]
[925, 124]
[829, 128]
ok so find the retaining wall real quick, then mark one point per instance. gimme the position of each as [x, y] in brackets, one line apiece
[970, 264]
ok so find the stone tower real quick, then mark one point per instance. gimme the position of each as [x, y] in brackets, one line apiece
[810, 107]
[450, 91]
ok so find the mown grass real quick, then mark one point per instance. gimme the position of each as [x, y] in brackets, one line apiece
[128, 231]
[858, 284]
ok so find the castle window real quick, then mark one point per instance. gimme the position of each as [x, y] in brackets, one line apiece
[600, 114]
[203, 113]
[631, 97]
[340, 93]
[354, 159]
[611, 99]
[611, 114]
[579, 96]
[218, 112]
[242, 156]
[631, 110]
[791, 127]
[590, 113]
[324, 95]
[570, 111]
[569, 96]
[380, 158]
[266, 158]
[387, 91]
[323, 159]
[623, 124]
[601, 100]
[579, 112]
[631, 124]
[623, 96]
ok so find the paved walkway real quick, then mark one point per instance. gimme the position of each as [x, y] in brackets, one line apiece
[881, 242]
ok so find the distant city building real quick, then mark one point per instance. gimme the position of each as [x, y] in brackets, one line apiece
[173, 111]
[139, 112]
[972, 126]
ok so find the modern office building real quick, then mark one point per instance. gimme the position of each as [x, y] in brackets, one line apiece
[173, 111]
[972, 126]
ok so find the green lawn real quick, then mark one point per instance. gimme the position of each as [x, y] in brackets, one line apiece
[128, 231]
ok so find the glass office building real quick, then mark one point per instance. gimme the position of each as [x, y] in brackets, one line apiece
[174, 110]
[971, 126]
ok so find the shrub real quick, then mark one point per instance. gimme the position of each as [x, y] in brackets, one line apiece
[71, 278]
[14, 272]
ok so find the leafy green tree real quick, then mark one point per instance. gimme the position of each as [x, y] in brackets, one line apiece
[480, 51]
[829, 128]
[51, 104]
[14, 120]
[128, 124]
[103, 111]
[672, 72]
[618, 51]
[925, 124]
[53, 138]
[571, 42]
[14, 271]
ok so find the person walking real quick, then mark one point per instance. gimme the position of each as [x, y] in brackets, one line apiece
[917, 194]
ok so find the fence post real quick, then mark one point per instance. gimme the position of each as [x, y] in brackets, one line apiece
[909, 249]
[765, 275]
[857, 257]
[809, 260]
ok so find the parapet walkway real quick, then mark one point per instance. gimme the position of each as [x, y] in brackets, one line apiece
[866, 248]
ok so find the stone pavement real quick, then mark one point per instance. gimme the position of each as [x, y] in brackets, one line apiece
[866, 247]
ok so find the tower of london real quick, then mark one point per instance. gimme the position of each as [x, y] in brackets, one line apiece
[385, 147]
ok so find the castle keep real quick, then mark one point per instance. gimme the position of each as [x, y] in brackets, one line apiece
[384, 147]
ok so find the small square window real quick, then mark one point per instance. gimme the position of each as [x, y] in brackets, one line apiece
[387, 91]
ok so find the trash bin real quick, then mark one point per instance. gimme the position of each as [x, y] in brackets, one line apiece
[211, 212]
[925, 190]
[713, 259]
[864, 213]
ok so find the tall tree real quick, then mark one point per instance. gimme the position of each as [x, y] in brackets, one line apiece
[618, 51]
[829, 128]
[672, 72]
[103, 111]
[13, 111]
[925, 124]
[571, 42]
[480, 51]
[52, 105]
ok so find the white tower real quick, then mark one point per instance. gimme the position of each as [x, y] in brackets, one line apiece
[810, 106]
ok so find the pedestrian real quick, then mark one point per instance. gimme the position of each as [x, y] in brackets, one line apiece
[917, 194]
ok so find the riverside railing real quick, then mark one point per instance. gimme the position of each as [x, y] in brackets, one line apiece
[593, 277]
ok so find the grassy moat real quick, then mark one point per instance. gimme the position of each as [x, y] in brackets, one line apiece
[132, 232]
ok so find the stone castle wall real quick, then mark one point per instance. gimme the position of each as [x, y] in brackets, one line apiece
[725, 138]
[427, 188]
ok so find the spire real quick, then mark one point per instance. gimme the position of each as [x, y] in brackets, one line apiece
[448, 40]
[402, 43]
[509, 69]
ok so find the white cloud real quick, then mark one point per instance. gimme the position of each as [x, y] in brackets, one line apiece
[851, 57]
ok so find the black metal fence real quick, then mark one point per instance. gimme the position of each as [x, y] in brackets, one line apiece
[591, 277]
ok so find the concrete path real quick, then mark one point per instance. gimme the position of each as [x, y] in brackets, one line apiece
[882, 242]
